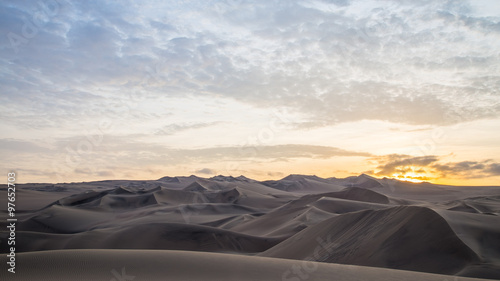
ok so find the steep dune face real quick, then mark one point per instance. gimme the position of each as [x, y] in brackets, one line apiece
[410, 238]
[479, 231]
[364, 181]
[90, 198]
[65, 220]
[195, 186]
[303, 184]
[175, 197]
[354, 196]
[131, 201]
[341, 206]
[34, 200]
[121, 197]
[360, 194]
[311, 209]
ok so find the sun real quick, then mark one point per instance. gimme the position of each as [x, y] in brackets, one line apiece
[410, 177]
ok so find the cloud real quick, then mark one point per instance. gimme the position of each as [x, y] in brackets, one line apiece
[276, 152]
[20, 146]
[397, 163]
[93, 154]
[468, 169]
[176, 128]
[94, 172]
[275, 174]
[332, 61]
[326, 62]
[107, 174]
[429, 167]
[493, 169]
[205, 171]
[159, 154]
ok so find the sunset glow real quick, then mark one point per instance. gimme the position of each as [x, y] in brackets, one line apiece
[411, 177]
[236, 140]
[107, 90]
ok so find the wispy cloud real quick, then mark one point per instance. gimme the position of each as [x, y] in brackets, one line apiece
[15, 146]
[176, 128]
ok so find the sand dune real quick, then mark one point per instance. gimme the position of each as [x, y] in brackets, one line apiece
[409, 238]
[360, 194]
[172, 236]
[154, 265]
[304, 184]
[381, 225]
[480, 232]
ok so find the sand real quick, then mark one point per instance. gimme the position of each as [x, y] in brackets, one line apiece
[235, 228]
[180, 265]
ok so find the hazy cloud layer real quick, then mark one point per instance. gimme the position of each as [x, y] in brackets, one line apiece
[102, 158]
[94, 156]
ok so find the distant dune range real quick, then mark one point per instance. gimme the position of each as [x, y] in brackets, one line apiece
[346, 229]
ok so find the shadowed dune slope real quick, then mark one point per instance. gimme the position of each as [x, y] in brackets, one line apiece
[479, 231]
[409, 238]
[360, 194]
[167, 236]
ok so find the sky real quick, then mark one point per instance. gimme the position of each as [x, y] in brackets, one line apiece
[94, 90]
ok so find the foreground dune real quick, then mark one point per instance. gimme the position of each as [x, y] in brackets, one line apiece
[151, 265]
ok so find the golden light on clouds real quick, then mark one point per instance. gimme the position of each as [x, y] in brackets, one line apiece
[411, 177]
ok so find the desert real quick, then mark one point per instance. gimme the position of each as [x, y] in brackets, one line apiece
[235, 228]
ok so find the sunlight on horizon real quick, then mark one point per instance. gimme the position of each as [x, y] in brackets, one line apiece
[100, 90]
